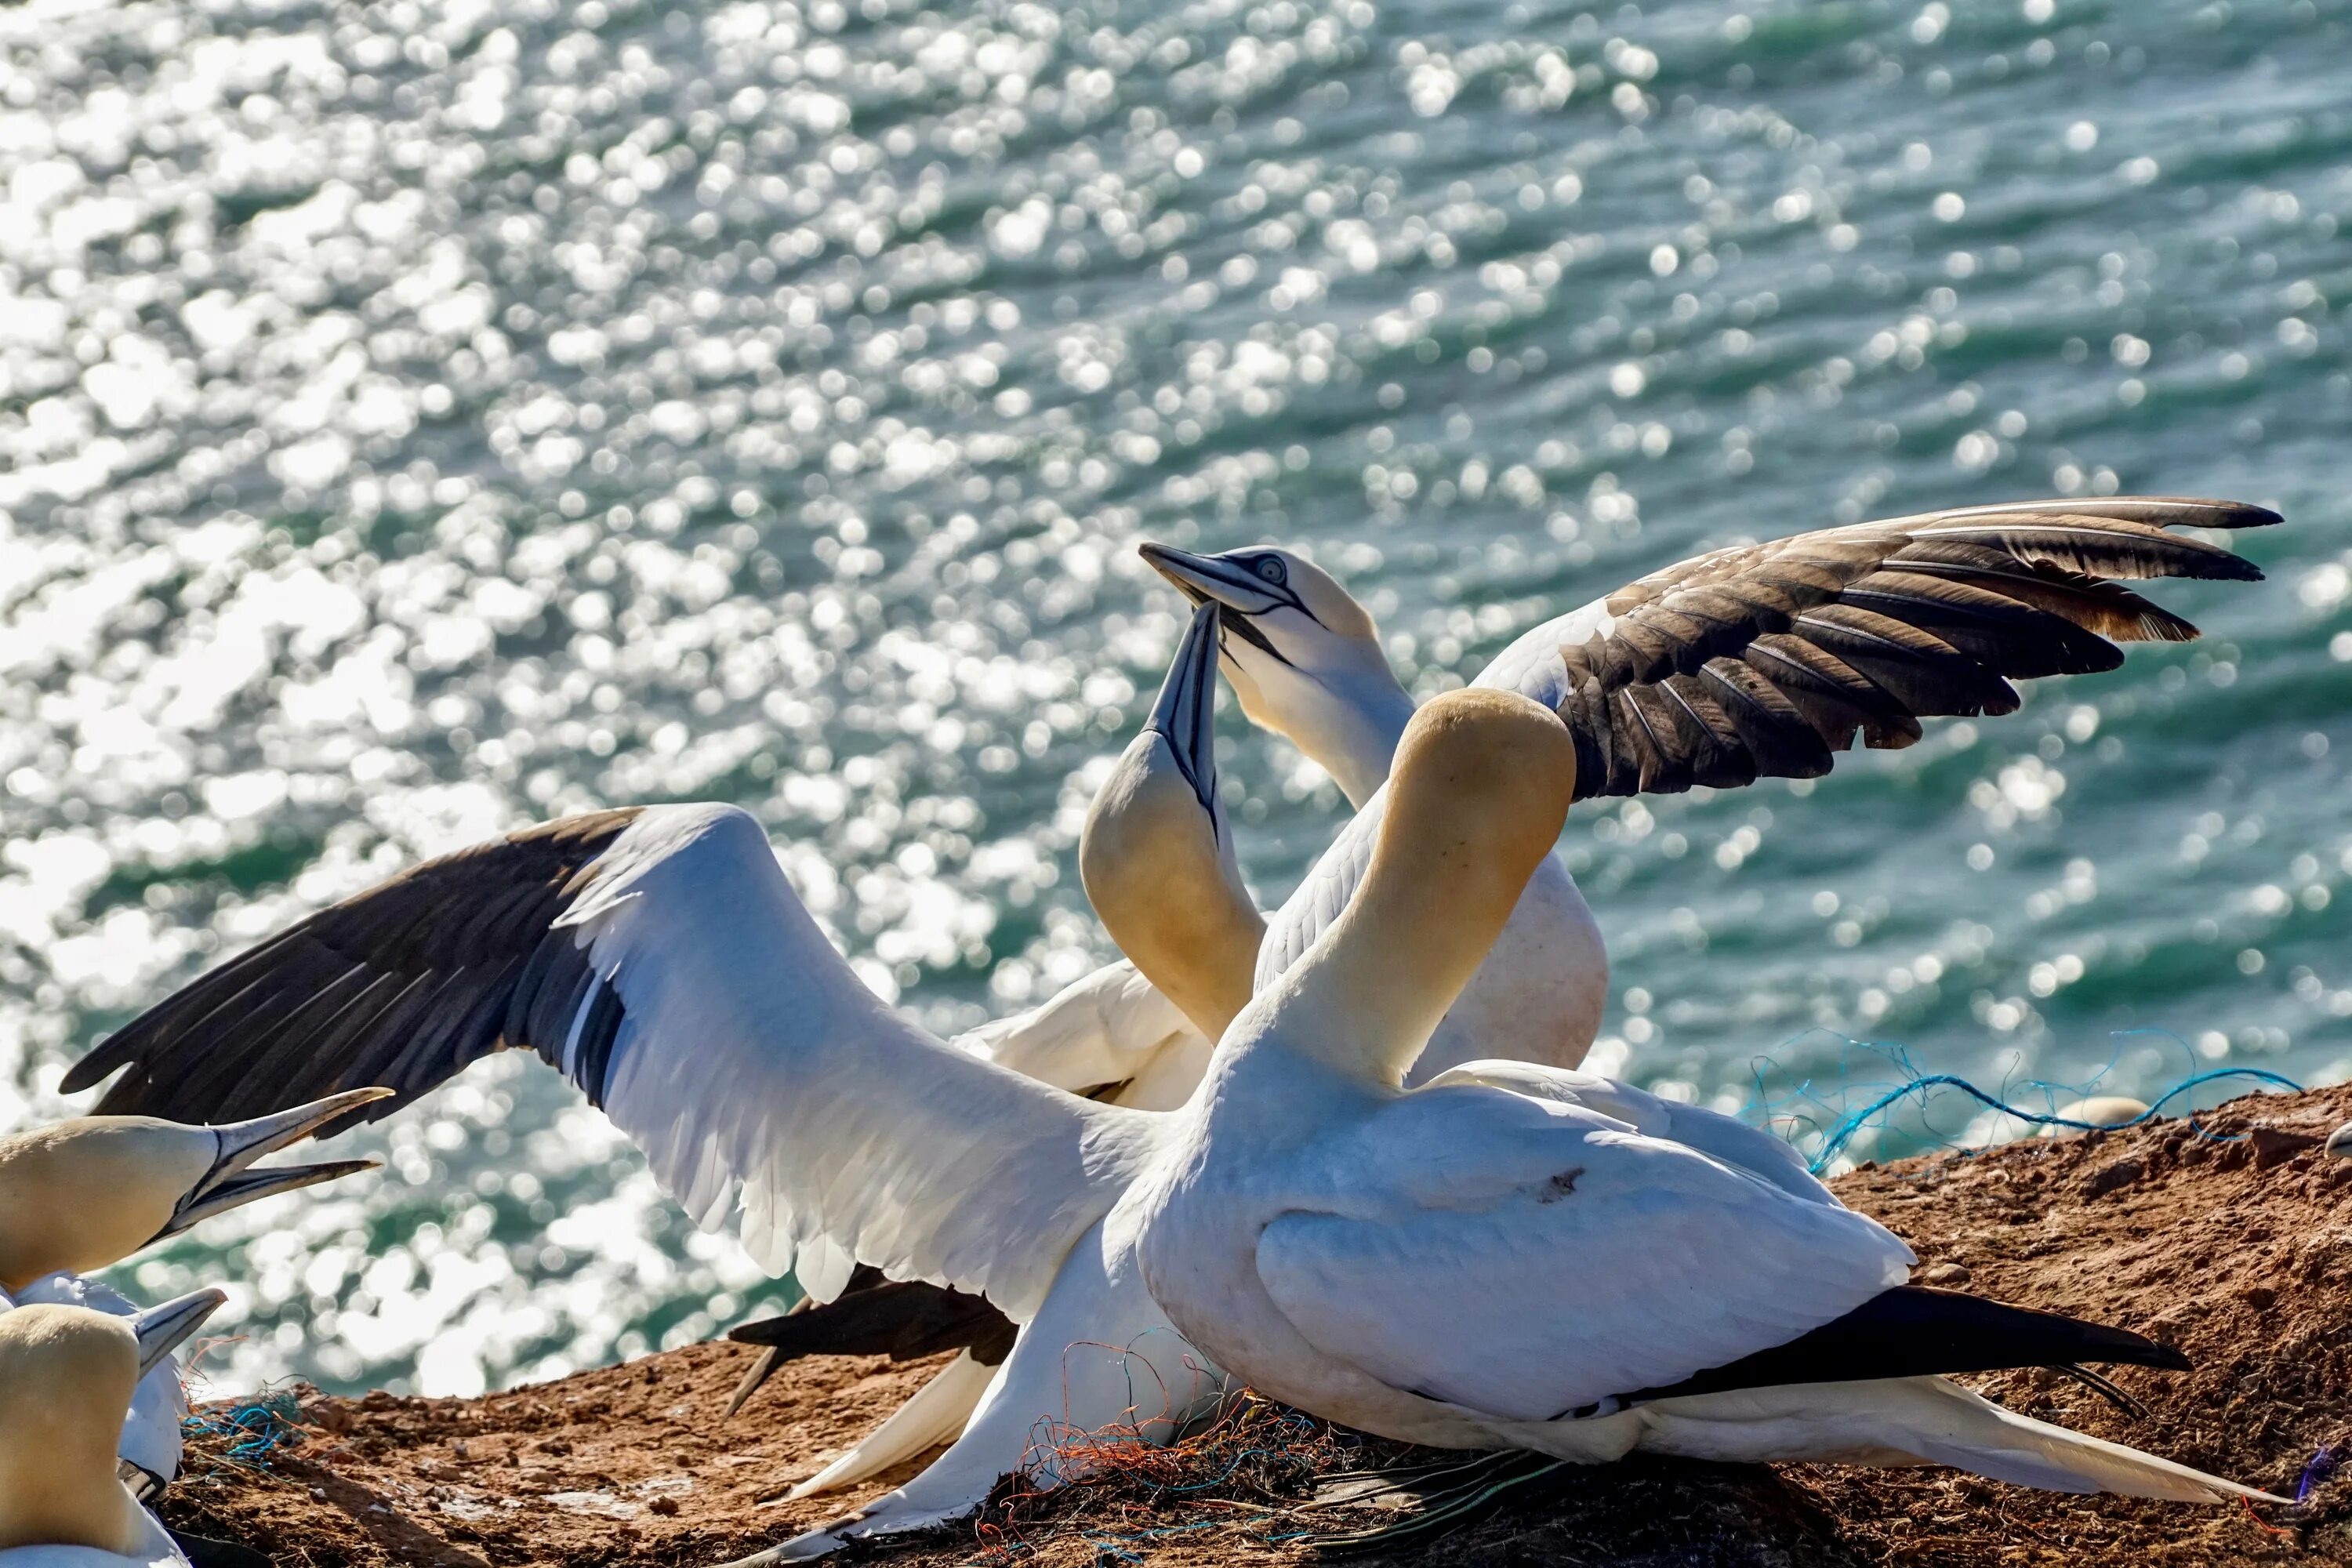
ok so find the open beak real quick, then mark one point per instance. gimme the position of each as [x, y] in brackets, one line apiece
[164, 1329]
[1185, 715]
[229, 1185]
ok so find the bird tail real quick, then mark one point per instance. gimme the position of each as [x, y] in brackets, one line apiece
[935, 1415]
[1917, 1421]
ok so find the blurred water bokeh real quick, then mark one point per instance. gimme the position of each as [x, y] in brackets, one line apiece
[417, 418]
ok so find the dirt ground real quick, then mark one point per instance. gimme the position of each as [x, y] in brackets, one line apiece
[2236, 1248]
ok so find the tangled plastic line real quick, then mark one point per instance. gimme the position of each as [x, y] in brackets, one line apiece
[1919, 1084]
[1844, 1132]
[256, 1429]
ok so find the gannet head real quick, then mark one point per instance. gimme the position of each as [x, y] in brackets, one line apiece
[67, 1375]
[1480, 789]
[1301, 654]
[1156, 857]
[82, 1194]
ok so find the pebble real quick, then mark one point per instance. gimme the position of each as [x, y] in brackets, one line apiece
[1950, 1276]
[2102, 1111]
[2339, 1143]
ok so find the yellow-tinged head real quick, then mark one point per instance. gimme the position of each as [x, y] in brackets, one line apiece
[67, 1375]
[1157, 859]
[86, 1194]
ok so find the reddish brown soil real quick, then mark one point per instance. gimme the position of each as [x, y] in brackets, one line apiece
[2238, 1252]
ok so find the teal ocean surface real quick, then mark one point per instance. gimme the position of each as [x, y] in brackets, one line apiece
[421, 417]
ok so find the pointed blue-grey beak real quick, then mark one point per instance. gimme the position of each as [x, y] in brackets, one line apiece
[164, 1329]
[1185, 715]
[229, 1185]
[1204, 578]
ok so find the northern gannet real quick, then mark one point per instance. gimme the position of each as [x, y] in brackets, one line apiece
[67, 1379]
[85, 1193]
[1764, 660]
[1305, 660]
[1519, 1257]
[151, 1446]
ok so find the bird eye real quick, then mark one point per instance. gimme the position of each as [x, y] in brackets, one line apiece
[1271, 568]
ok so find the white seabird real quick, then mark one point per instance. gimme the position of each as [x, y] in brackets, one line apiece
[150, 1447]
[1157, 859]
[1518, 1257]
[85, 1193]
[661, 961]
[67, 1380]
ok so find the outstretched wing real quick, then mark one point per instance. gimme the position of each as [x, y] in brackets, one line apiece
[1526, 1258]
[1761, 660]
[659, 959]
[402, 988]
[1766, 660]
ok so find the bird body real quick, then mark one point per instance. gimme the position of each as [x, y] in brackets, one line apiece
[1492, 1261]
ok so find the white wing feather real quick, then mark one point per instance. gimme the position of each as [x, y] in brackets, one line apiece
[1750, 1149]
[1525, 1257]
[1110, 1026]
[1532, 665]
[752, 1064]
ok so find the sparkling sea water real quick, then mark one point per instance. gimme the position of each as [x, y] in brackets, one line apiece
[418, 417]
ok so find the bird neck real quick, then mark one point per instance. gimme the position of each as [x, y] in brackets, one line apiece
[1159, 872]
[58, 1488]
[1482, 787]
[1354, 739]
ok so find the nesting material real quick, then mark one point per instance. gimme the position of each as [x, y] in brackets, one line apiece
[2245, 1266]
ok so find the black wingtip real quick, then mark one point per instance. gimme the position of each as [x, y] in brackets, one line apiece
[902, 1319]
[1917, 1331]
[2241, 514]
[86, 1073]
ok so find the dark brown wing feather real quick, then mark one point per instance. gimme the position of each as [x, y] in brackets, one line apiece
[904, 1320]
[402, 986]
[1763, 660]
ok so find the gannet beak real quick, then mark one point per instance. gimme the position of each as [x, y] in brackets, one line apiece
[1211, 579]
[1204, 578]
[228, 1185]
[1185, 715]
[164, 1329]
